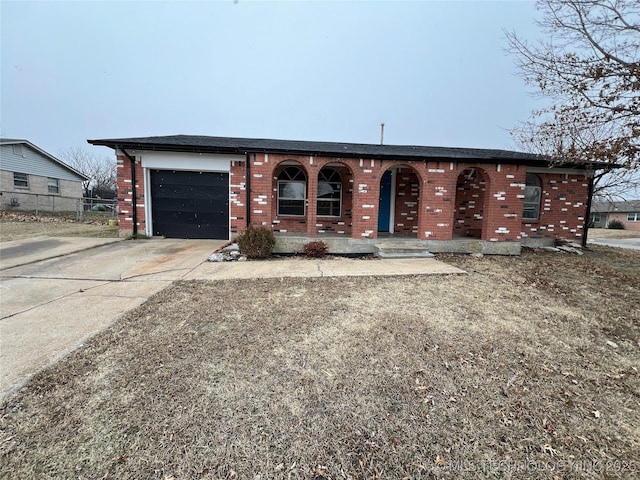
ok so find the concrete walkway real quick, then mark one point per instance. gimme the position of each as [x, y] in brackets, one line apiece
[55, 293]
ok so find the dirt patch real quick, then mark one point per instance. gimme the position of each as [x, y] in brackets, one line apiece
[525, 368]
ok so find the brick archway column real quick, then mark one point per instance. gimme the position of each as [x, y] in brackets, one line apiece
[503, 204]
[437, 200]
[366, 198]
[312, 197]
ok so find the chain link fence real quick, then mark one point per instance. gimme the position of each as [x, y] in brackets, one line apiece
[47, 204]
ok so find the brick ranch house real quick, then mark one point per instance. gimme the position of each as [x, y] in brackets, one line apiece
[352, 196]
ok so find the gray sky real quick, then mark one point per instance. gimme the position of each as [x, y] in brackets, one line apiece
[436, 73]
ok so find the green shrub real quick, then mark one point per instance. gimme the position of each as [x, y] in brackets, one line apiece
[256, 242]
[616, 225]
[316, 249]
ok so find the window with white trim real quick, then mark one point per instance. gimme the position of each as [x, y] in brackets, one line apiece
[329, 193]
[633, 216]
[532, 195]
[292, 192]
[53, 185]
[20, 180]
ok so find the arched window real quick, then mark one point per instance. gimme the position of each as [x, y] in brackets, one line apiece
[532, 194]
[292, 192]
[329, 193]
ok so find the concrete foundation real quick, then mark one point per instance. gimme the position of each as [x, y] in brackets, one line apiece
[339, 245]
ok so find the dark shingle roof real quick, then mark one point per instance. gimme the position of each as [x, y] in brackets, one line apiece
[621, 206]
[206, 144]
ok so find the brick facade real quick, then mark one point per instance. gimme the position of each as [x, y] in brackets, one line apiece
[434, 200]
[562, 209]
[126, 202]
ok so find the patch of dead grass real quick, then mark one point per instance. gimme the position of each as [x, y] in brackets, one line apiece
[14, 226]
[504, 373]
[612, 233]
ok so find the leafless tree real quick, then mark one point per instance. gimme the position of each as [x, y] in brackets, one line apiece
[588, 71]
[101, 171]
[609, 184]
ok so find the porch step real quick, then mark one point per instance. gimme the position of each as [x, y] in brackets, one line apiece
[401, 250]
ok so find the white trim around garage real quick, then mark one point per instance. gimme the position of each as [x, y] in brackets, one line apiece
[197, 162]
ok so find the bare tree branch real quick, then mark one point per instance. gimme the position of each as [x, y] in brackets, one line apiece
[101, 171]
[589, 68]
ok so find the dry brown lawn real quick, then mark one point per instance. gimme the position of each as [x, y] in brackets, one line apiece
[525, 368]
[612, 233]
[16, 226]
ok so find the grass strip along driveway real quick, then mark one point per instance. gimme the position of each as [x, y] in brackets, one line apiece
[525, 368]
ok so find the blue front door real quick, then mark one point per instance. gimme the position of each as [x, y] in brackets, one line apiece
[384, 208]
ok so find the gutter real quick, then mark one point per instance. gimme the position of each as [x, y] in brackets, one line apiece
[134, 234]
[248, 185]
[587, 217]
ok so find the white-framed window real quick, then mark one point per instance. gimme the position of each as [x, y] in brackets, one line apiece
[595, 218]
[17, 149]
[633, 217]
[53, 185]
[292, 192]
[329, 193]
[20, 180]
[532, 195]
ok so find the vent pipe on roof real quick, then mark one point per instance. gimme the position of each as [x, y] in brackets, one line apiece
[382, 134]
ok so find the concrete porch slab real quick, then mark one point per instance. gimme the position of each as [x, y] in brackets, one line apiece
[334, 267]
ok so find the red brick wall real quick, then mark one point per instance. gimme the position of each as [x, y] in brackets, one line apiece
[428, 202]
[503, 207]
[125, 200]
[237, 198]
[562, 208]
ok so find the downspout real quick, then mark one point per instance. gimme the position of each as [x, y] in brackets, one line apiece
[134, 234]
[248, 185]
[587, 218]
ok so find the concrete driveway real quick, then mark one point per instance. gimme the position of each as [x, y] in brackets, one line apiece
[49, 306]
[57, 292]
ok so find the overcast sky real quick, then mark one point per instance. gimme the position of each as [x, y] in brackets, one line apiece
[436, 73]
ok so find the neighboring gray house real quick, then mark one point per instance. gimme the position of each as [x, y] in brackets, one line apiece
[627, 212]
[34, 180]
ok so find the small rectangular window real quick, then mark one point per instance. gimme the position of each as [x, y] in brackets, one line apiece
[595, 218]
[17, 149]
[531, 209]
[20, 180]
[53, 184]
[633, 217]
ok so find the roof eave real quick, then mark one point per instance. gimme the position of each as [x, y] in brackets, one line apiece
[151, 146]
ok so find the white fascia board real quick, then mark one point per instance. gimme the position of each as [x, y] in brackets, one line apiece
[199, 162]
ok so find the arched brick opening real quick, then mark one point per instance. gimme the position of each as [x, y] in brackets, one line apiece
[472, 188]
[334, 204]
[399, 201]
[290, 183]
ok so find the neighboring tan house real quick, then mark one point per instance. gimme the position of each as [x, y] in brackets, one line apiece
[352, 196]
[34, 180]
[626, 212]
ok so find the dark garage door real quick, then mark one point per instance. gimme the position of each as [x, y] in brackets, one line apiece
[190, 204]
